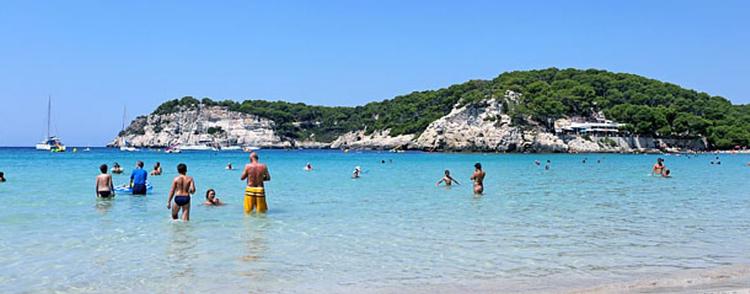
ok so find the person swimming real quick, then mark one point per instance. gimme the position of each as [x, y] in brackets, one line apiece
[658, 167]
[116, 168]
[537, 162]
[182, 186]
[2, 177]
[447, 179]
[478, 178]
[357, 172]
[157, 169]
[211, 199]
[667, 173]
[308, 167]
[104, 186]
[256, 174]
[548, 165]
[229, 166]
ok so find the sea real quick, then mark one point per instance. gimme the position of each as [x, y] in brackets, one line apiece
[589, 221]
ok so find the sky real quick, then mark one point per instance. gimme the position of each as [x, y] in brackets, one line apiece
[96, 57]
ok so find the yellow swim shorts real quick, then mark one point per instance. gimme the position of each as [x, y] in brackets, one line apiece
[255, 198]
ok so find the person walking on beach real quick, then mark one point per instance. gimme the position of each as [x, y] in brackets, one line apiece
[104, 186]
[447, 179]
[255, 194]
[182, 186]
[658, 167]
[478, 178]
[138, 179]
[157, 169]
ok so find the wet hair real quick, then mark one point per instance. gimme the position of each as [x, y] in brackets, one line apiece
[667, 172]
[182, 168]
[116, 164]
[447, 172]
[2, 174]
[103, 168]
[478, 165]
[158, 164]
[209, 192]
[139, 163]
[548, 161]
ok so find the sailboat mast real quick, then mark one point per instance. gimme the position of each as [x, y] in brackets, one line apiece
[49, 113]
[124, 115]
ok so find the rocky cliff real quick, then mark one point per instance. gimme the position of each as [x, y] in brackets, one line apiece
[481, 126]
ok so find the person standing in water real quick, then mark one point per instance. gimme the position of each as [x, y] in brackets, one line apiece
[157, 169]
[138, 179]
[548, 165]
[447, 179]
[255, 194]
[357, 172]
[658, 167]
[478, 178]
[104, 186]
[308, 167]
[182, 186]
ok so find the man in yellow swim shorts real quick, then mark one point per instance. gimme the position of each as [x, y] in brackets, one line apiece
[255, 195]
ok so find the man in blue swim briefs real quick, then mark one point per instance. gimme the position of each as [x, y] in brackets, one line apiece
[138, 179]
[182, 186]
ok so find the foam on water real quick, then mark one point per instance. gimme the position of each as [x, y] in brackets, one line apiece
[573, 227]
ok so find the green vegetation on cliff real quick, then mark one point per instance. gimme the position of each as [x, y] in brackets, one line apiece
[647, 106]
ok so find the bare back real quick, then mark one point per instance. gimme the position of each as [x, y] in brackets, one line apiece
[478, 177]
[103, 182]
[256, 174]
[183, 185]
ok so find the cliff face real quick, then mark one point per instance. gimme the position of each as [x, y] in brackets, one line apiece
[201, 126]
[482, 126]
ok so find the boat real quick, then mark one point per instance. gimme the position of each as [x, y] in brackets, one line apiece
[172, 149]
[51, 143]
[231, 148]
[198, 148]
[250, 148]
[125, 146]
[125, 188]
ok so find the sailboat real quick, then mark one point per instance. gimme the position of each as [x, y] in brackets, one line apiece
[125, 146]
[51, 143]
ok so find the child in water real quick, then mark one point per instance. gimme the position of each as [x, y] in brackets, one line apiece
[667, 173]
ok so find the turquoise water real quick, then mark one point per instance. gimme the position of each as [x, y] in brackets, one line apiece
[576, 224]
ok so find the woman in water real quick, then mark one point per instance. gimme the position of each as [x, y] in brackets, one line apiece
[157, 169]
[478, 178]
[211, 199]
[116, 169]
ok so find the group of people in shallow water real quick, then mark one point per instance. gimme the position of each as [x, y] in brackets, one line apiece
[183, 186]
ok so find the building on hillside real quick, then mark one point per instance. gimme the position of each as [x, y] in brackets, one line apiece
[580, 126]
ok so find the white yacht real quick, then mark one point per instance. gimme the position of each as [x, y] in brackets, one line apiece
[51, 143]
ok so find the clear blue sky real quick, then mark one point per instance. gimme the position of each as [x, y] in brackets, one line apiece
[94, 57]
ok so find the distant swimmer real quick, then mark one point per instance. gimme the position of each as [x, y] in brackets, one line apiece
[537, 162]
[548, 165]
[667, 173]
[138, 179]
[658, 167]
[229, 166]
[211, 199]
[447, 179]
[584, 160]
[157, 169]
[357, 172]
[255, 194]
[382, 161]
[182, 186]
[116, 168]
[308, 167]
[2, 177]
[104, 186]
[478, 178]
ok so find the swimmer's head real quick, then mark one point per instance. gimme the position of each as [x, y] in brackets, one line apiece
[103, 168]
[210, 194]
[667, 172]
[116, 164]
[158, 163]
[447, 172]
[253, 156]
[478, 165]
[139, 163]
[182, 168]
